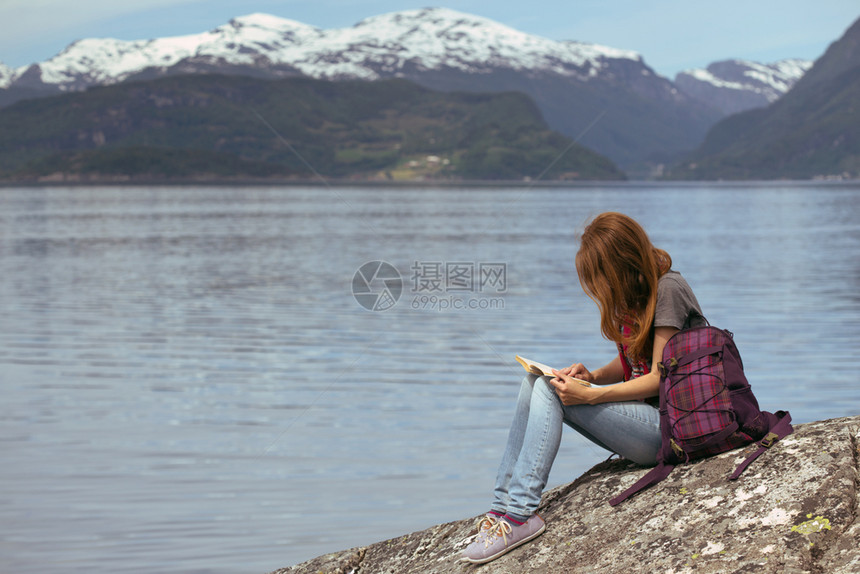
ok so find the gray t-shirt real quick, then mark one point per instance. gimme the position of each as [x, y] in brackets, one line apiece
[676, 304]
[676, 307]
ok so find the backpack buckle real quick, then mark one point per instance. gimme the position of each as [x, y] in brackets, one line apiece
[677, 449]
[664, 368]
[769, 439]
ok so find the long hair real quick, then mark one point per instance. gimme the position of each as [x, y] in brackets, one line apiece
[618, 268]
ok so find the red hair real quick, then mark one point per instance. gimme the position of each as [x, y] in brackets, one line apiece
[618, 268]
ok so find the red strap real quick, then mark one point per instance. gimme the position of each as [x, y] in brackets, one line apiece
[625, 366]
[653, 476]
[780, 430]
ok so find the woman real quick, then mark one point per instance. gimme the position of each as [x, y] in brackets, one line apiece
[642, 304]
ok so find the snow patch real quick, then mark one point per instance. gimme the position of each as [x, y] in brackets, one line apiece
[770, 80]
[7, 75]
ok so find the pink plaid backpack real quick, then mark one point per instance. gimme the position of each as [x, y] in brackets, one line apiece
[706, 405]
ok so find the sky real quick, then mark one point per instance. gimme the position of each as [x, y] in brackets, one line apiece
[671, 35]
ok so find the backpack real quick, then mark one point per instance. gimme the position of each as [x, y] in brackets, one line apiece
[706, 405]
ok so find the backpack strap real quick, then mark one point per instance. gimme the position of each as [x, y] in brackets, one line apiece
[721, 436]
[780, 430]
[698, 354]
[651, 478]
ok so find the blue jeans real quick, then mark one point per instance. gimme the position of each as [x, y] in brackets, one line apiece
[630, 429]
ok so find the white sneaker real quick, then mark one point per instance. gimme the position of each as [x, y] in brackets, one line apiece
[502, 537]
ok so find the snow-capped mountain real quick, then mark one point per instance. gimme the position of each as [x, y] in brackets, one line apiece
[733, 86]
[381, 46]
[6, 74]
[609, 99]
[433, 39]
[254, 40]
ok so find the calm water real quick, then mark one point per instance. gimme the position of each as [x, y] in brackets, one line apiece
[189, 384]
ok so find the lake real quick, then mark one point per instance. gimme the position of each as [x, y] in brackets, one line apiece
[193, 382]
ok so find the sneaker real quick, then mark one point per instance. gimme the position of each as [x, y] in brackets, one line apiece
[502, 537]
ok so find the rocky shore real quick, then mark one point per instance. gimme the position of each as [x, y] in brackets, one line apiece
[795, 510]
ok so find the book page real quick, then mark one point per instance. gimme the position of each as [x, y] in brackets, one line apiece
[540, 369]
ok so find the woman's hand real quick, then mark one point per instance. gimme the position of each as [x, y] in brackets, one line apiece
[569, 390]
[578, 371]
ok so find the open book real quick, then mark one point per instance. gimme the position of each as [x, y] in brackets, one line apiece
[540, 369]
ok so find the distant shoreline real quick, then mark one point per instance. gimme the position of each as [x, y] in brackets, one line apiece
[415, 184]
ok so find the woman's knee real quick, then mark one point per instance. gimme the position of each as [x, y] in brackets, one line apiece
[544, 390]
[530, 379]
[524, 397]
[537, 392]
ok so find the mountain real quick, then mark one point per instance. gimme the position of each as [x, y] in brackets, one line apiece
[841, 57]
[607, 98]
[215, 126]
[812, 131]
[733, 86]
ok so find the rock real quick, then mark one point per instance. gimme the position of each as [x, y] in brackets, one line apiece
[794, 510]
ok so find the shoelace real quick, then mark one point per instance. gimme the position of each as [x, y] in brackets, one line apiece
[501, 530]
[486, 522]
[483, 524]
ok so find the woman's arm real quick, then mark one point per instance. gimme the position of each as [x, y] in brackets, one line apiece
[572, 393]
